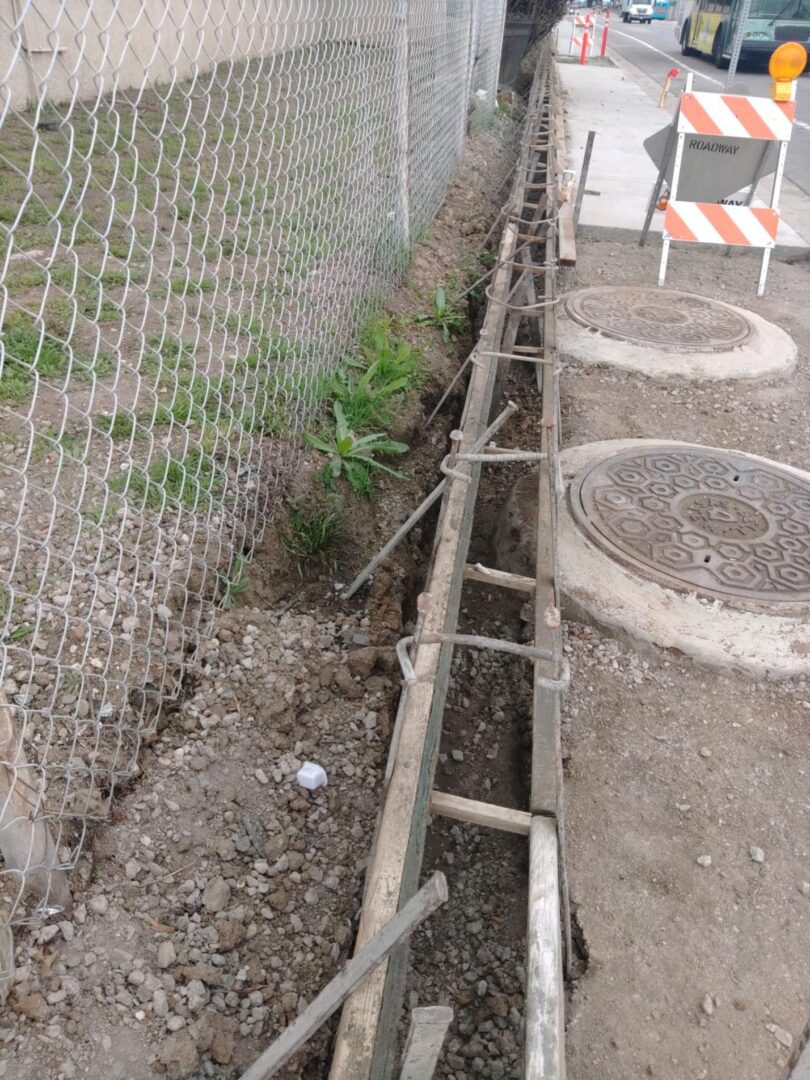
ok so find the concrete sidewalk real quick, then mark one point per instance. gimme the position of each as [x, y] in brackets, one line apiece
[620, 104]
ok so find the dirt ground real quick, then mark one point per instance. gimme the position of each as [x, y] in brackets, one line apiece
[221, 897]
[693, 972]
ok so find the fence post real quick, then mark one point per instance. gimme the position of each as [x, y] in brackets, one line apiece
[403, 106]
[583, 52]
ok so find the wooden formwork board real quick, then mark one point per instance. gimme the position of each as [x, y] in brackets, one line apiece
[396, 861]
[367, 1035]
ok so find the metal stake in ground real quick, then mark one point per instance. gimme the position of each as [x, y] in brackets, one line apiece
[583, 177]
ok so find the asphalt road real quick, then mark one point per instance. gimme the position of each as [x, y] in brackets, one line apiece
[655, 50]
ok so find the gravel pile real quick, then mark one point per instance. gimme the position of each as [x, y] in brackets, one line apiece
[221, 898]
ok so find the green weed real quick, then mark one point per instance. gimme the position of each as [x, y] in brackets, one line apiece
[234, 583]
[444, 315]
[351, 456]
[313, 535]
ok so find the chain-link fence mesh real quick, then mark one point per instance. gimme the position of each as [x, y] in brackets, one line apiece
[202, 202]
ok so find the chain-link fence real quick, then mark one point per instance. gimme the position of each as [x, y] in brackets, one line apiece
[202, 202]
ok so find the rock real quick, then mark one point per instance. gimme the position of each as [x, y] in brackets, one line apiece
[178, 1053]
[33, 1006]
[166, 954]
[68, 1070]
[457, 755]
[160, 1002]
[132, 869]
[197, 995]
[708, 1004]
[217, 894]
[704, 860]
[804, 888]
[361, 662]
[705, 752]
[352, 690]
[275, 847]
[99, 904]
[222, 1031]
[231, 934]
[784, 1038]
[757, 854]
[226, 850]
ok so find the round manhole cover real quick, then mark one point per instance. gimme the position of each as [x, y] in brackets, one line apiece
[646, 315]
[719, 524]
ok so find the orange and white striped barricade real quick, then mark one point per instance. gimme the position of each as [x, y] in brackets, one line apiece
[582, 35]
[719, 117]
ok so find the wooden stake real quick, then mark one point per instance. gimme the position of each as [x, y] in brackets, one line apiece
[431, 896]
[425, 1037]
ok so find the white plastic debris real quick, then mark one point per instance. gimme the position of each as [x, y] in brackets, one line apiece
[311, 776]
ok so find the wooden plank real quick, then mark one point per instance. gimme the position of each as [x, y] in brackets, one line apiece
[425, 1037]
[480, 813]
[544, 1053]
[546, 707]
[568, 242]
[431, 896]
[505, 580]
[399, 843]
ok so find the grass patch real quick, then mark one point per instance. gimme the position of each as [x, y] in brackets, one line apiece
[314, 535]
[26, 351]
[192, 482]
[119, 426]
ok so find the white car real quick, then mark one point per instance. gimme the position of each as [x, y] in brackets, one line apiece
[631, 12]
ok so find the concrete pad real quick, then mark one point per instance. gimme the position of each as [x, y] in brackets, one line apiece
[767, 352]
[597, 587]
[608, 100]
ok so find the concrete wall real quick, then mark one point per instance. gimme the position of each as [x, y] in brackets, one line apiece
[84, 49]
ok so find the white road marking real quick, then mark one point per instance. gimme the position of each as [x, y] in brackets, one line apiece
[679, 61]
[669, 56]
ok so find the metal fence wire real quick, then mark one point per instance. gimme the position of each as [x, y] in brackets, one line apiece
[202, 202]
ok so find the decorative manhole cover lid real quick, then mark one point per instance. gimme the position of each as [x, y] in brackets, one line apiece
[646, 315]
[711, 522]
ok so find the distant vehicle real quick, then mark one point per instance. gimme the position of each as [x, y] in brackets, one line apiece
[660, 9]
[634, 12]
[708, 27]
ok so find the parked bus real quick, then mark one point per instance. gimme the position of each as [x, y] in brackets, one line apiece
[660, 9]
[709, 28]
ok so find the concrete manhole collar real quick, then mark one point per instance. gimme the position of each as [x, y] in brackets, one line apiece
[649, 316]
[663, 334]
[718, 524]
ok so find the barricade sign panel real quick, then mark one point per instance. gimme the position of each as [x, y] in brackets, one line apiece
[736, 117]
[711, 223]
[722, 143]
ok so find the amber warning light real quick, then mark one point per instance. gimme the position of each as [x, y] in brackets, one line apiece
[785, 66]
